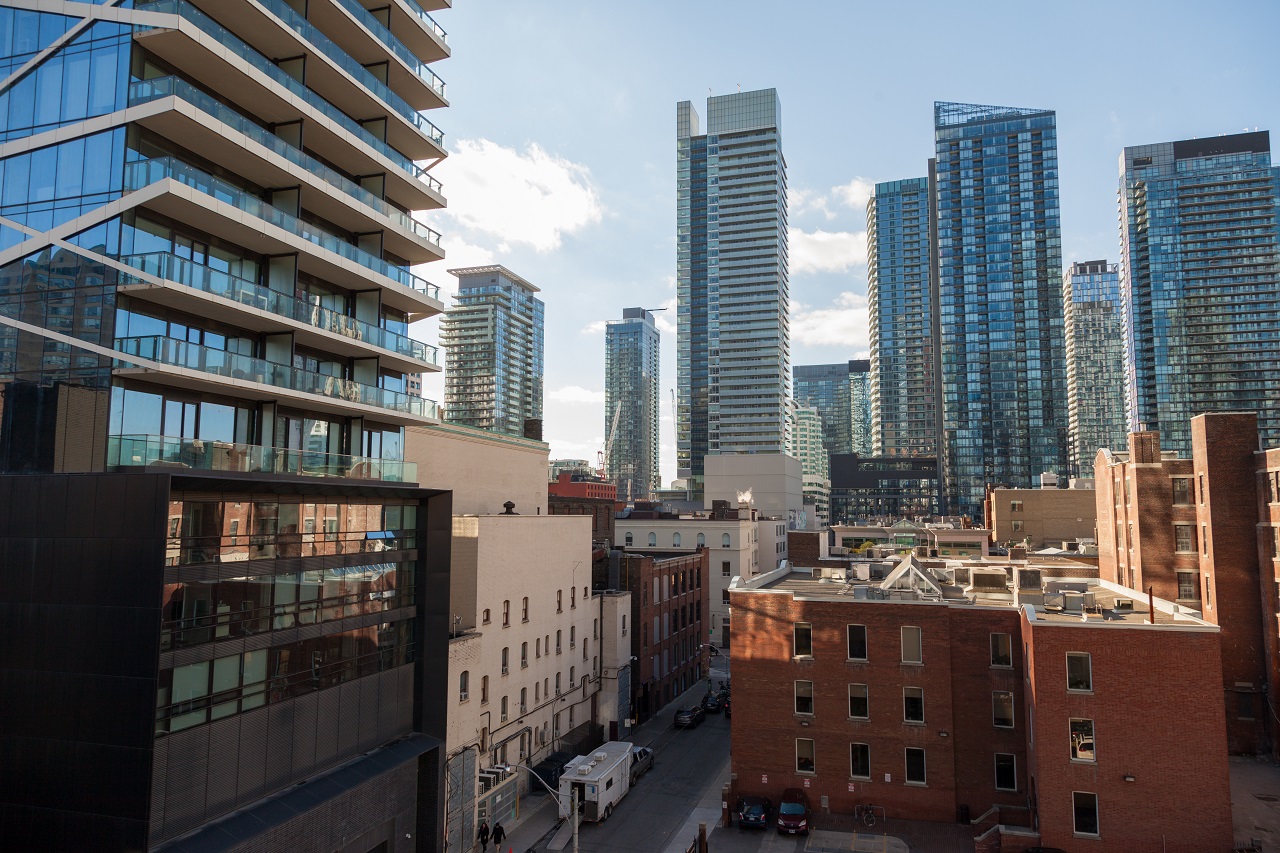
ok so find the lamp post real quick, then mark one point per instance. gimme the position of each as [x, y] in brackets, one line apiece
[573, 801]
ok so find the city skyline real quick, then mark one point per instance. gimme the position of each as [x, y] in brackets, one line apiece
[593, 222]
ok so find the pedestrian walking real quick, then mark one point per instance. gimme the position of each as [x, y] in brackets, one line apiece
[498, 835]
[483, 837]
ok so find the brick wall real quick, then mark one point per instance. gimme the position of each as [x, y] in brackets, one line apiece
[1268, 536]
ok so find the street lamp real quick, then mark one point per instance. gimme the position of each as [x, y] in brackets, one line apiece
[573, 801]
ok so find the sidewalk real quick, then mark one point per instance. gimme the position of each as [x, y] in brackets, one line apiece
[539, 816]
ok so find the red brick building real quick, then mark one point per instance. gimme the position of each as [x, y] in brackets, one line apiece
[1041, 714]
[601, 510]
[570, 485]
[1269, 575]
[1189, 530]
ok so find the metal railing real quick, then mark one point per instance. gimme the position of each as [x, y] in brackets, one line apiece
[384, 35]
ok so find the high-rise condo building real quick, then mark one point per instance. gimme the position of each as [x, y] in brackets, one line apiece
[206, 243]
[1200, 266]
[902, 302]
[998, 253]
[841, 394]
[733, 370]
[1094, 334]
[631, 404]
[493, 340]
[806, 443]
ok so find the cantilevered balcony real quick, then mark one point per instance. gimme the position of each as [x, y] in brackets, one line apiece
[159, 451]
[191, 118]
[205, 369]
[205, 50]
[176, 189]
[361, 34]
[205, 292]
[413, 26]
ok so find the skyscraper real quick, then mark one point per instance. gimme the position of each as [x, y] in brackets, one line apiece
[998, 253]
[205, 295]
[806, 443]
[841, 394]
[493, 340]
[1200, 266]
[860, 418]
[902, 302]
[733, 370]
[1094, 335]
[632, 404]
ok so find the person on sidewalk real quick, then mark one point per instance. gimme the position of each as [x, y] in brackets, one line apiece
[499, 834]
[483, 836]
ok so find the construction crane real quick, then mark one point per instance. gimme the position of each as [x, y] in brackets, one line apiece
[608, 441]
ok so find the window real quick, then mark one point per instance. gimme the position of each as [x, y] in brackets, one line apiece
[859, 704]
[537, 647]
[1204, 538]
[506, 658]
[572, 677]
[1184, 538]
[573, 636]
[1015, 506]
[912, 643]
[857, 642]
[1188, 586]
[484, 617]
[1002, 709]
[1202, 488]
[1082, 748]
[802, 640]
[1001, 650]
[624, 624]
[860, 761]
[524, 610]
[524, 700]
[675, 540]
[1181, 491]
[1244, 705]
[724, 596]
[724, 568]
[1079, 671]
[464, 682]
[628, 539]
[804, 697]
[724, 541]
[504, 709]
[506, 613]
[524, 655]
[653, 539]
[559, 600]
[1017, 526]
[1006, 772]
[702, 540]
[573, 597]
[805, 762]
[913, 704]
[484, 690]
[557, 684]
[1085, 809]
[915, 766]
[557, 642]
[595, 628]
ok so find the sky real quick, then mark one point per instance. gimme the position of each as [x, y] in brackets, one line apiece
[561, 133]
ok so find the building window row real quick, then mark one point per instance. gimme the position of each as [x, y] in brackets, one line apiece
[911, 640]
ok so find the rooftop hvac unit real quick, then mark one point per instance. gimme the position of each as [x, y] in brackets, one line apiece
[1029, 578]
[861, 593]
[584, 769]
[1124, 604]
[1073, 602]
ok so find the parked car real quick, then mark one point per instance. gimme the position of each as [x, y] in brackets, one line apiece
[688, 718]
[728, 708]
[641, 762]
[711, 703]
[754, 812]
[794, 812]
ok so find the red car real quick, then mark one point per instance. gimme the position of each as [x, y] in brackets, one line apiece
[794, 812]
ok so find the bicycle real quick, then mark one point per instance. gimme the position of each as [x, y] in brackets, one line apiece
[866, 814]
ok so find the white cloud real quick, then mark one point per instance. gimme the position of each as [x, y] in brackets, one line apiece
[530, 197]
[595, 327]
[576, 394]
[802, 201]
[843, 324]
[854, 194]
[826, 251]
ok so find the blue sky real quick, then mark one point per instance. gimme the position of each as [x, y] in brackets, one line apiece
[562, 133]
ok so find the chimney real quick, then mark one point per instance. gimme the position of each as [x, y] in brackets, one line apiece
[1144, 447]
[615, 569]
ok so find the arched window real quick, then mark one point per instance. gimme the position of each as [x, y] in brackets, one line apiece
[675, 540]
[653, 539]
[464, 682]
[702, 539]
[629, 537]
[724, 541]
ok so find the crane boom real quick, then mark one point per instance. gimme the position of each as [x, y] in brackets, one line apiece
[608, 441]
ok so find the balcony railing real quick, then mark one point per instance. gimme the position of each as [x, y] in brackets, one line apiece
[145, 91]
[422, 15]
[237, 47]
[143, 173]
[217, 283]
[169, 452]
[394, 44]
[172, 351]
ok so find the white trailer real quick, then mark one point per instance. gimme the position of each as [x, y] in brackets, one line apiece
[601, 779]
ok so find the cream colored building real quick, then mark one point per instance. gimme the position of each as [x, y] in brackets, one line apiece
[484, 469]
[775, 482]
[614, 710]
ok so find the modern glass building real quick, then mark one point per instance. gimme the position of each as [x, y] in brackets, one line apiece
[733, 370]
[207, 276]
[632, 404]
[902, 303]
[806, 442]
[1094, 335]
[1200, 272]
[841, 394]
[998, 253]
[493, 340]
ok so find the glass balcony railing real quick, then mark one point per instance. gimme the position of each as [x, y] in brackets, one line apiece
[208, 280]
[237, 47]
[421, 14]
[169, 452]
[143, 173]
[143, 91]
[232, 365]
[384, 35]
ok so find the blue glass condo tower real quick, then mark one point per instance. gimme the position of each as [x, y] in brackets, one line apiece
[999, 261]
[632, 404]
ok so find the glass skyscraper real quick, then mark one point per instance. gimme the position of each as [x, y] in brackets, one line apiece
[733, 369]
[1200, 266]
[841, 394]
[902, 303]
[494, 344]
[207, 277]
[999, 260]
[1094, 334]
[806, 443]
[632, 404]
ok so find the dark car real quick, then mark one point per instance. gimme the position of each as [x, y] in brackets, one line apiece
[754, 812]
[728, 708]
[711, 703]
[794, 812]
[688, 718]
[641, 762]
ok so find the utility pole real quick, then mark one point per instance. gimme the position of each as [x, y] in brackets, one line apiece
[574, 800]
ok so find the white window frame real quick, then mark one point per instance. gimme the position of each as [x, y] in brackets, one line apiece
[1089, 658]
[866, 695]
[1097, 815]
[919, 644]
